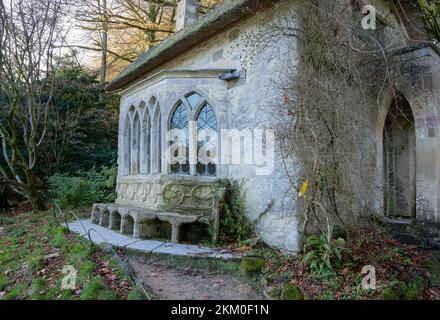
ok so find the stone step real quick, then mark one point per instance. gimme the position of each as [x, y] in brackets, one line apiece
[421, 233]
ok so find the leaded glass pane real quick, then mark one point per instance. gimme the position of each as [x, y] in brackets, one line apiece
[207, 123]
[179, 121]
[194, 100]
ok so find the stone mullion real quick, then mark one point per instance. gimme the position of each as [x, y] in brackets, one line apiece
[192, 147]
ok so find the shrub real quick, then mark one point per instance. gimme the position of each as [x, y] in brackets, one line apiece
[71, 192]
[321, 257]
[234, 226]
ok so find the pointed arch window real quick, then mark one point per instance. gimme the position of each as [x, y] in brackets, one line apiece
[159, 142]
[127, 146]
[146, 143]
[180, 140]
[135, 147]
[194, 100]
[206, 142]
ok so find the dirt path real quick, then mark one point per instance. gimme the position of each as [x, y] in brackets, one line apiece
[168, 283]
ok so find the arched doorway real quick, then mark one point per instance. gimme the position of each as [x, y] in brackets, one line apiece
[399, 160]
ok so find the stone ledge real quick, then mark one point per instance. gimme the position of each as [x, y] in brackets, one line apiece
[101, 235]
[142, 223]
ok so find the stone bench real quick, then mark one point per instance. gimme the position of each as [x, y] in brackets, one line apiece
[144, 222]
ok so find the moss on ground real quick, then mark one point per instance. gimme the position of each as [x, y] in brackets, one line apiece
[35, 248]
[291, 292]
[251, 266]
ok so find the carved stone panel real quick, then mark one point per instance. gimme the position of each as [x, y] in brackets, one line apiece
[202, 195]
[165, 195]
[173, 195]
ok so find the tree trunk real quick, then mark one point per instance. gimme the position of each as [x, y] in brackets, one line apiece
[104, 47]
[4, 205]
[35, 198]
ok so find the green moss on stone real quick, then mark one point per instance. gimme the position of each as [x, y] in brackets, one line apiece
[291, 292]
[252, 265]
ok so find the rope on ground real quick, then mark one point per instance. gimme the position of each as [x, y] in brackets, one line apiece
[108, 245]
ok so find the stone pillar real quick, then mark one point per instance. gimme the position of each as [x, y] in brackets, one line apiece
[137, 229]
[187, 13]
[127, 225]
[95, 214]
[175, 235]
[104, 219]
[115, 221]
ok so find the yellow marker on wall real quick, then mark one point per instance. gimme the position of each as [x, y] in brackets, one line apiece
[304, 188]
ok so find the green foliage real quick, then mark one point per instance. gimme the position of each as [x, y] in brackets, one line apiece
[17, 232]
[59, 239]
[106, 295]
[433, 266]
[37, 288]
[137, 294]
[22, 258]
[252, 265]
[431, 11]
[291, 292]
[399, 290]
[71, 192]
[3, 284]
[93, 289]
[14, 293]
[234, 226]
[82, 132]
[4, 220]
[323, 258]
[414, 289]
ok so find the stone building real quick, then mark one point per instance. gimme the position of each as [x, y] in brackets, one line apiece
[211, 77]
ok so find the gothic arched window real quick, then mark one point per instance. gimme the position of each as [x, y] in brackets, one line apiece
[135, 146]
[146, 143]
[194, 100]
[206, 142]
[180, 140]
[127, 146]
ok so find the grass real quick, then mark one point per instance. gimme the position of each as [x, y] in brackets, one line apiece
[34, 249]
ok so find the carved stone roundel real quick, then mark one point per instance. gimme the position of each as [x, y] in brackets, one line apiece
[173, 194]
[202, 195]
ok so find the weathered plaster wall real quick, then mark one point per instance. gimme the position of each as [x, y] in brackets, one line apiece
[250, 102]
[244, 103]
